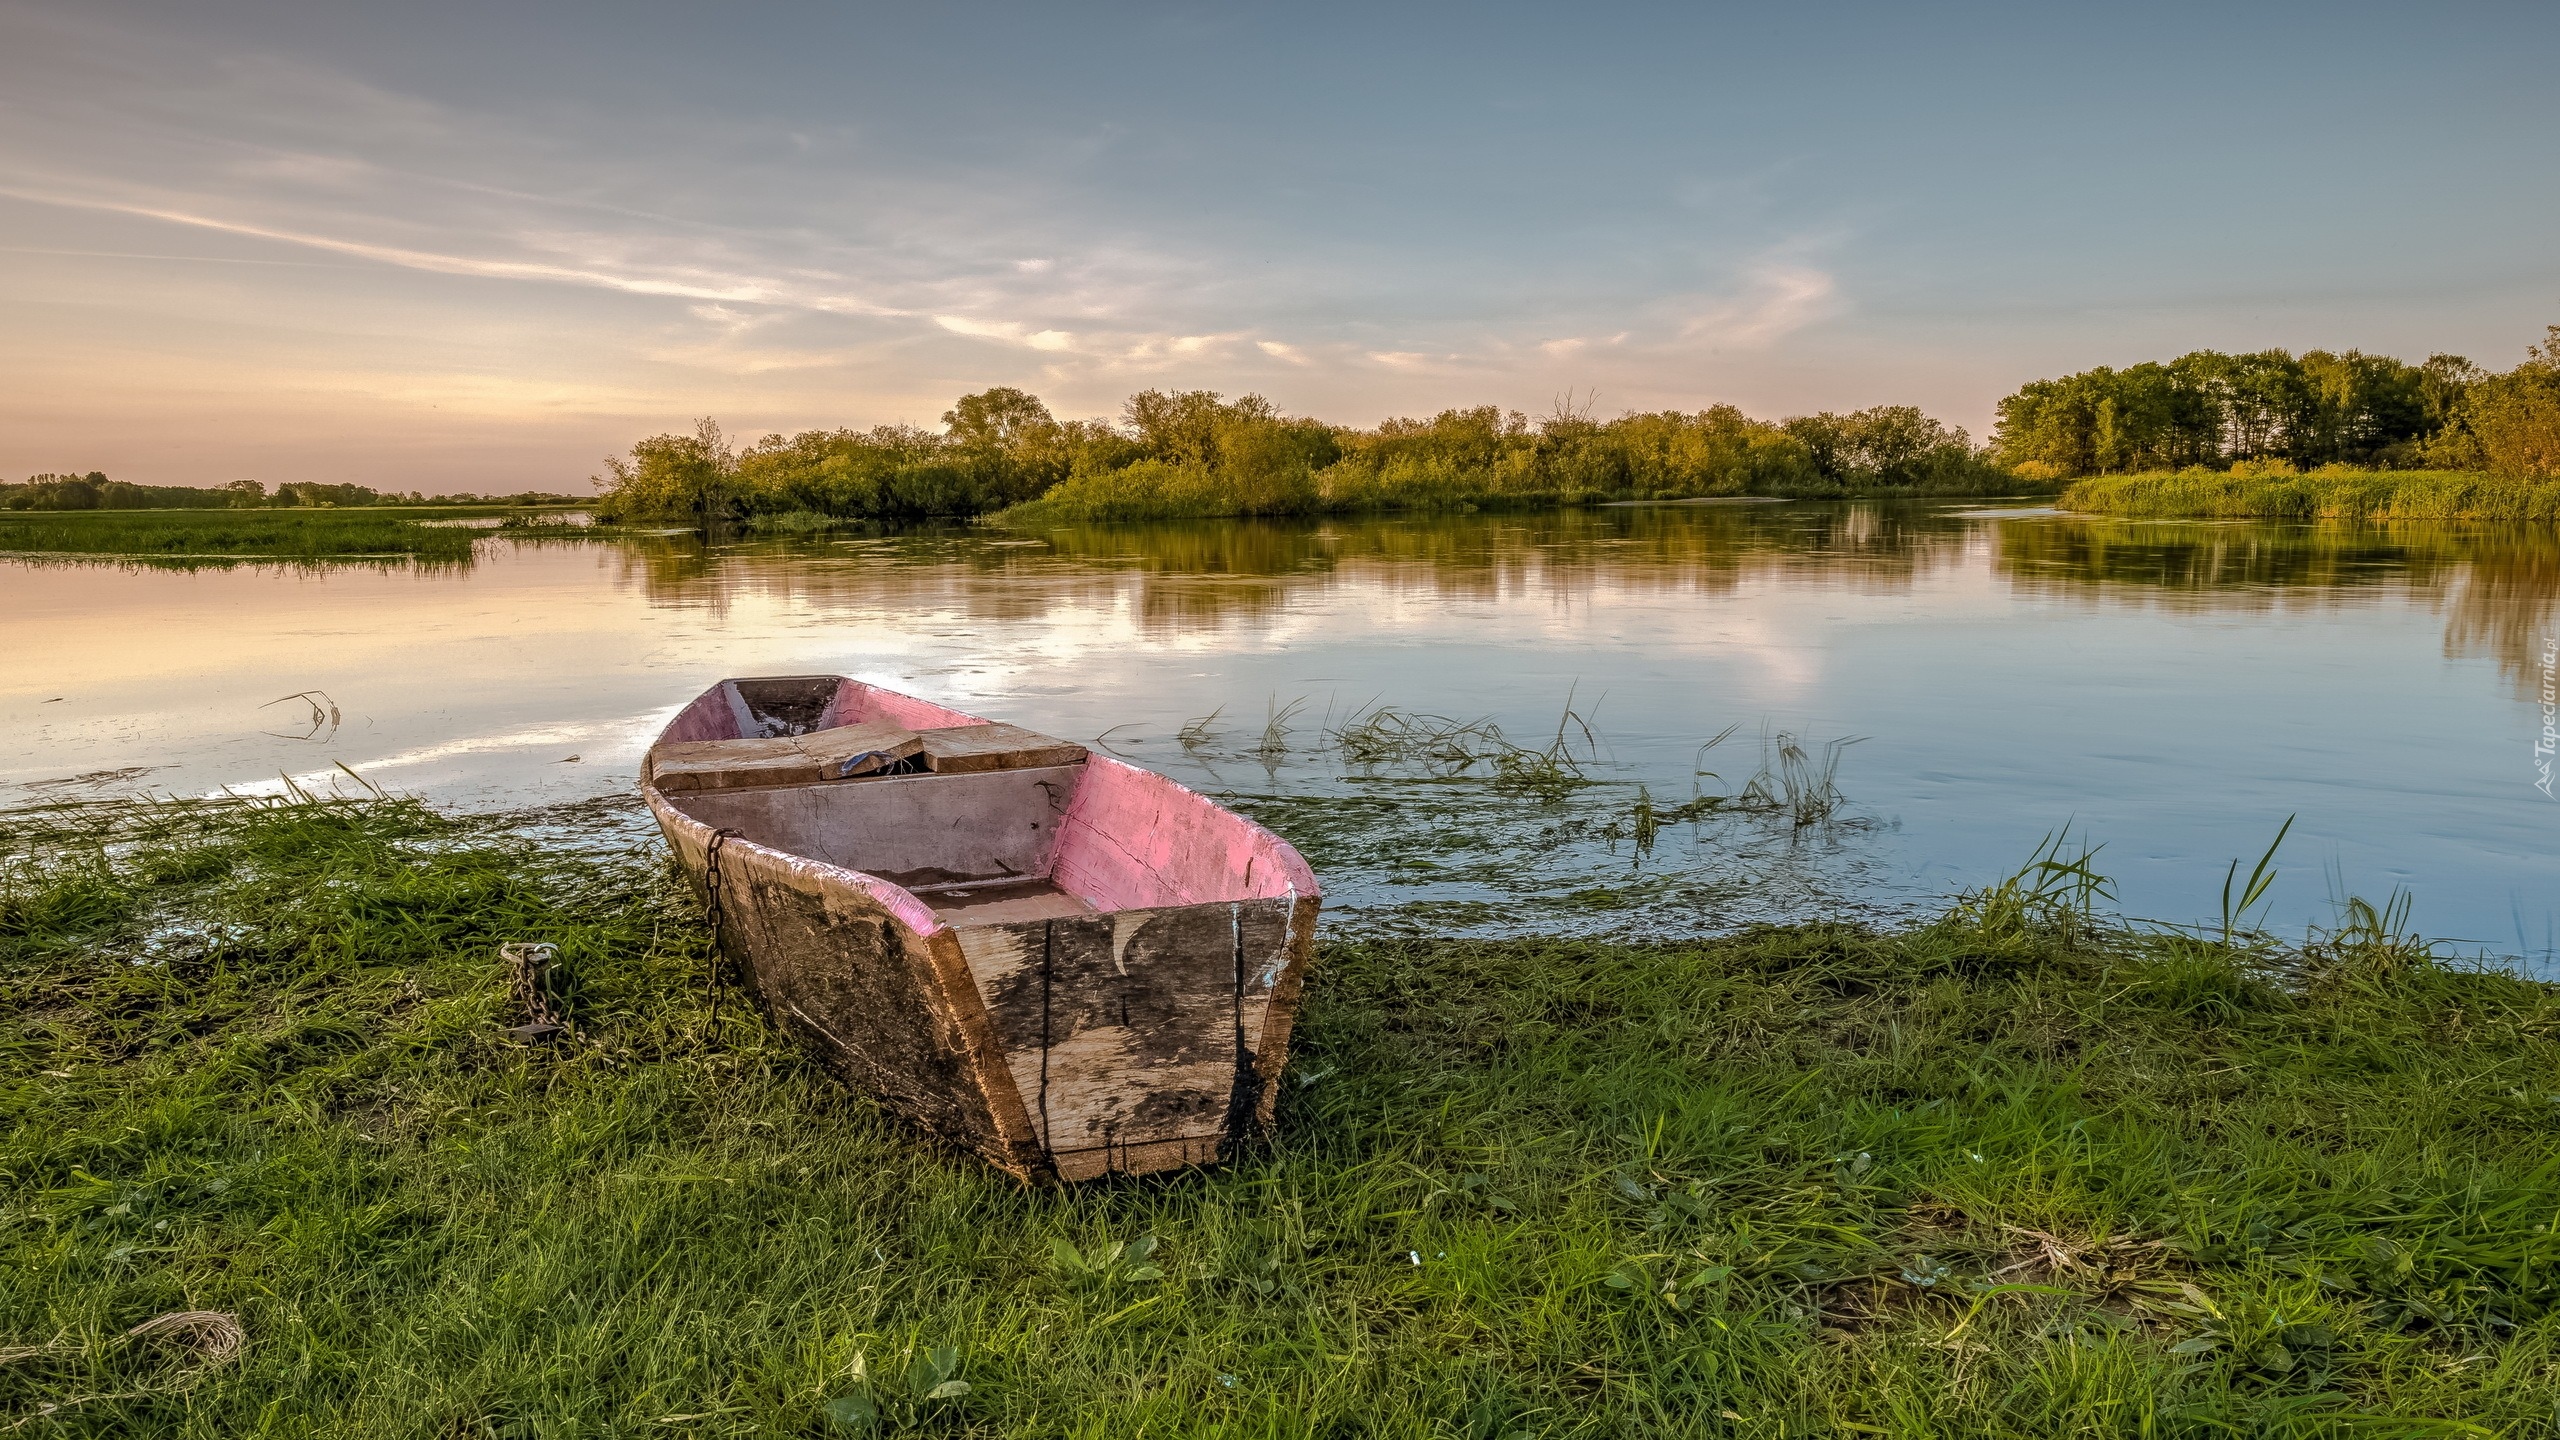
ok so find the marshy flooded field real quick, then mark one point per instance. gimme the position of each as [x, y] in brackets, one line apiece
[1477, 724]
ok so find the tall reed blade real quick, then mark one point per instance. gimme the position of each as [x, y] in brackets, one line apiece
[2261, 876]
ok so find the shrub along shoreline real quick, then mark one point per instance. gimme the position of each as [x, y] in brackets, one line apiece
[1197, 455]
[2016, 1172]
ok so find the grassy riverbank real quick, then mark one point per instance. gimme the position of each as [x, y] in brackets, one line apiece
[218, 536]
[2320, 495]
[2011, 1173]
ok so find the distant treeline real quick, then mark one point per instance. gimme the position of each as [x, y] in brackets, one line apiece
[94, 491]
[2211, 410]
[1194, 453]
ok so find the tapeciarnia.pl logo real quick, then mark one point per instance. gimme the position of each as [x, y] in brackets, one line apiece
[2549, 740]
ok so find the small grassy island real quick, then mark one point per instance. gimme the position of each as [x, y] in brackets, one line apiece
[190, 537]
[292, 535]
[2335, 493]
[2021, 1171]
[301, 523]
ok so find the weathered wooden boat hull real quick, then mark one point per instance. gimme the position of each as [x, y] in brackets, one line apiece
[1073, 969]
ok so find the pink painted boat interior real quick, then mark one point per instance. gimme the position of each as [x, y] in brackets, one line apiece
[939, 850]
[798, 704]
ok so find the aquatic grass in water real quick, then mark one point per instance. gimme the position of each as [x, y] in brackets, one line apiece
[2009, 1173]
[2331, 493]
[552, 524]
[1447, 825]
[1200, 732]
[1274, 745]
[1790, 782]
[1379, 737]
[2056, 891]
[224, 536]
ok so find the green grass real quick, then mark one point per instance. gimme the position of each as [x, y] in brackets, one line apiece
[2012, 1173]
[2327, 494]
[195, 535]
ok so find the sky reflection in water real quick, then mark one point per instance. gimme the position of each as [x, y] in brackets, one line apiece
[2170, 690]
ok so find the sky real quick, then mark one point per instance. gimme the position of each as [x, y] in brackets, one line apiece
[477, 247]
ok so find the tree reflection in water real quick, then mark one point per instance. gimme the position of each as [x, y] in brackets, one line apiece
[2497, 585]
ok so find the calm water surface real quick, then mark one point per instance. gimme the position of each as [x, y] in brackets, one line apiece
[2172, 691]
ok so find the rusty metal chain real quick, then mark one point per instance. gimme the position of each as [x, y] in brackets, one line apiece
[529, 971]
[715, 912]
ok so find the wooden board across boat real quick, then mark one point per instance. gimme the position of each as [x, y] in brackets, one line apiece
[1070, 965]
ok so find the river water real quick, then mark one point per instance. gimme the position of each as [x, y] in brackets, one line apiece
[2169, 692]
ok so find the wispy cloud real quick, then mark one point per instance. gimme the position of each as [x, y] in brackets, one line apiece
[1779, 298]
[1010, 331]
[258, 147]
[428, 260]
[680, 260]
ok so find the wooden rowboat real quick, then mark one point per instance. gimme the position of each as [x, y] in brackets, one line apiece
[1072, 966]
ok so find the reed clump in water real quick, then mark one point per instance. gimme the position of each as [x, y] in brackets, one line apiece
[1790, 784]
[1793, 784]
[1442, 748]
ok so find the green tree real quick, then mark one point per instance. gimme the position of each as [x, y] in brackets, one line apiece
[59, 492]
[1180, 427]
[1262, 461]
[1001, 419]
[2515, 417]
[889, 472]
[2208, 408]
[669, 476]
[314, 493]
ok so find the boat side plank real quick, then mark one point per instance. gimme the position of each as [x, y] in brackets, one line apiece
[1126, 1032]
[827, 960]
[1280, 1009]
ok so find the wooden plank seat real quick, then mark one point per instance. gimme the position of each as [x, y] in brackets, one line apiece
[845, 752]
[963, 749]
[854, 752]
